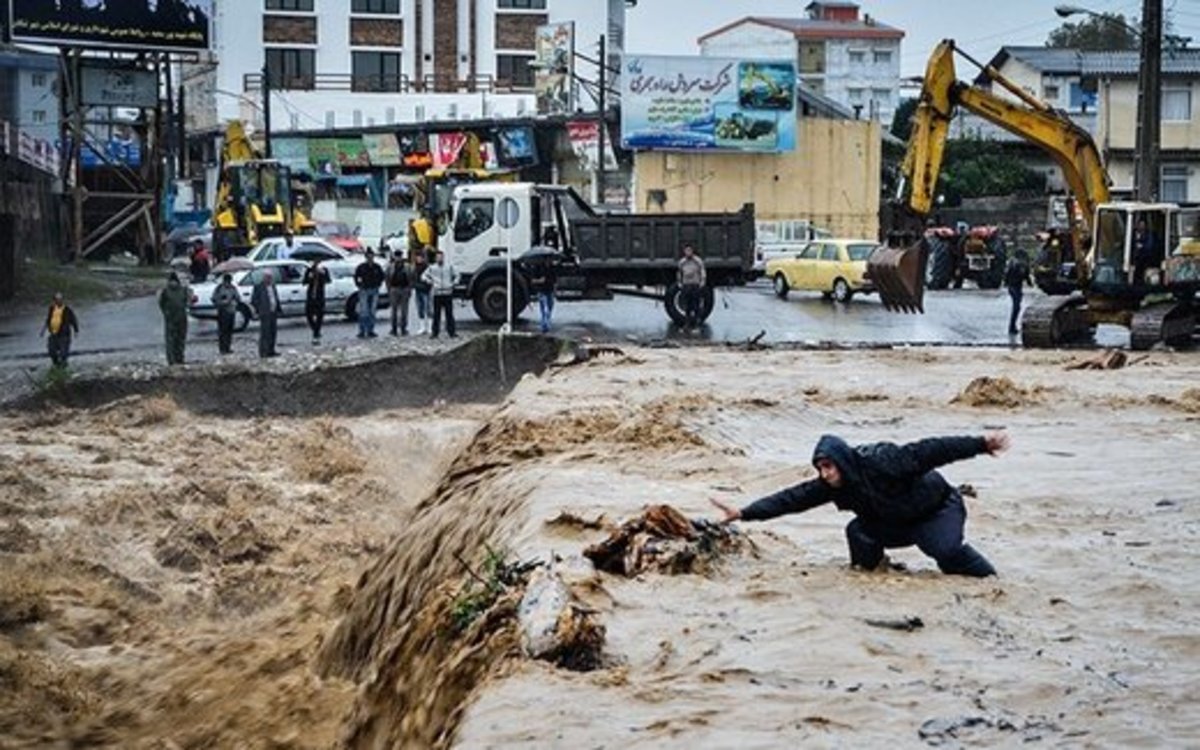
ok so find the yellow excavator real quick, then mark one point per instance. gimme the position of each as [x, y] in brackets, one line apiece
[255, 198]
[1133, 264]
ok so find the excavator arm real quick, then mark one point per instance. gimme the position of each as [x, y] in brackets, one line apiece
[899, 272]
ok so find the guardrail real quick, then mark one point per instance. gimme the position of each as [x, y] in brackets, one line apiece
[393, 84]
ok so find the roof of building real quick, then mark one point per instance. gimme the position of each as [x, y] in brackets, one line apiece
[811, 28]
[1076, 62]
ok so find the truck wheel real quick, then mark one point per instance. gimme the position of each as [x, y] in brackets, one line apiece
[842, 291]
[993, 277]
[673, 301]
[352, 307]
[491, 299]
[781, 286]
[243, 318]
[940, 268]
[674, 305]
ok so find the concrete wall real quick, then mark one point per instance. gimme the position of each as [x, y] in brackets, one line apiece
[752, 40]
[832, 179]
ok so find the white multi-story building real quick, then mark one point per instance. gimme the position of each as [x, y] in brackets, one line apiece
[359, 63]
[850, 58]
[29, 119]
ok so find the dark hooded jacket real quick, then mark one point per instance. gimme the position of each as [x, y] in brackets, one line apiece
[881, 483]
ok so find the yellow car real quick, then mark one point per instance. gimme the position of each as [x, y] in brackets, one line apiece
[833, 267]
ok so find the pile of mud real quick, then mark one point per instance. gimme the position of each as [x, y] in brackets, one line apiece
[998, 392]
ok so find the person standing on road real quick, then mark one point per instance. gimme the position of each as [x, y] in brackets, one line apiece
[368, 277]
[441, 278]
[264, 302]
[201, 263]
[692, 277]
[226, 299]
[400, 285]
[316, 277]
[543, 282]
[896, 494]
[421, 288]
[1016, 276]
[60, 322]
[173, 302]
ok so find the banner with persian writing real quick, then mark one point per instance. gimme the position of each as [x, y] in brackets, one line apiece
[707, 104]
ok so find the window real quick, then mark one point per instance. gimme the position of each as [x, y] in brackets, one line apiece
[855, 95]
[883, 56]
[375, 71]
[475, 216]
[882, 96]
[38, 80]
[860, 252]
[304, 5]
[522, 4]
[291, 68]
[810, 252]
[1051, 94]
[829, 252]
[1174, 186]
[1177, 105]
[857, 56]
[39, 115]
[812, 57]
[514, 70]
[375, 6]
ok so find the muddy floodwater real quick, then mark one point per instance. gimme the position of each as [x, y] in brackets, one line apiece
[175, 579]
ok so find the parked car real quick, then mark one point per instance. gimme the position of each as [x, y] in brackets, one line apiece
[289, 278]
[339, 233]
[303, 248]
[834, 267]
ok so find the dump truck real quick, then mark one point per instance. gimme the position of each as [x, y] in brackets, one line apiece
[595, 255]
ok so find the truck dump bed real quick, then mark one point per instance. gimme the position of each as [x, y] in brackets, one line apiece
[654, 242]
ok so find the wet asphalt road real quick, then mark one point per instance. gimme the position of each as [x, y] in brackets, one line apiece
[131, 330]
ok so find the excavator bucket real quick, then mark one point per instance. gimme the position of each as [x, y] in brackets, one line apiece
[898, 273]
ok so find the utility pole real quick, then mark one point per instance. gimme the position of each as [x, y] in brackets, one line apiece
[1146, 177]
[603, 133]
[266, 107]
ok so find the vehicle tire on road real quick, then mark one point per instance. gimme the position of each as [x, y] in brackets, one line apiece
[490, 298]
[673, 302]
[993, 277]
[842, 291]
[781, 286]
[939, 270]
[243, 318]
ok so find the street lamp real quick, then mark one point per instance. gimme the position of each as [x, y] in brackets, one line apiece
[1145, 181]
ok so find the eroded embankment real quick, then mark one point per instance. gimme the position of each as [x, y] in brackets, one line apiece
[483, 370]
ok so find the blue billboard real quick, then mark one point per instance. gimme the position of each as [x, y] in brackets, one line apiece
[707, 103]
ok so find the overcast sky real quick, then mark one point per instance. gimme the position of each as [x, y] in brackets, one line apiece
[979, 26]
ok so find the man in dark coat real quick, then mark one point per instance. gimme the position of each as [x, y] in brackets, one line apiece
[368, 277]
[60, 322]
[173, 302]
[1016, 276]
[897, 496]
[264, 301]
[316, 277]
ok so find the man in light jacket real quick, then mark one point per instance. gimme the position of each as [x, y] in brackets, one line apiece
[692, 277]
[441, 278]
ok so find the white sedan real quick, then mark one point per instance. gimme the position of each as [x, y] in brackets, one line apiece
[289, 280]
[303, 248]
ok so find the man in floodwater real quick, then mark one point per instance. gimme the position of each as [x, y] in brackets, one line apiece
[897, 496]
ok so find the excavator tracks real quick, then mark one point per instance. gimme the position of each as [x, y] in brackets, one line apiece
[1055, 321]
[1171, 322]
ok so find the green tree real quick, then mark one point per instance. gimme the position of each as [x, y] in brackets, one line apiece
[975, 168]
[902, 121]
[1102, 33]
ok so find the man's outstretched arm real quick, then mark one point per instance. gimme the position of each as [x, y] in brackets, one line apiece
[930, 453]
[795, 499]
